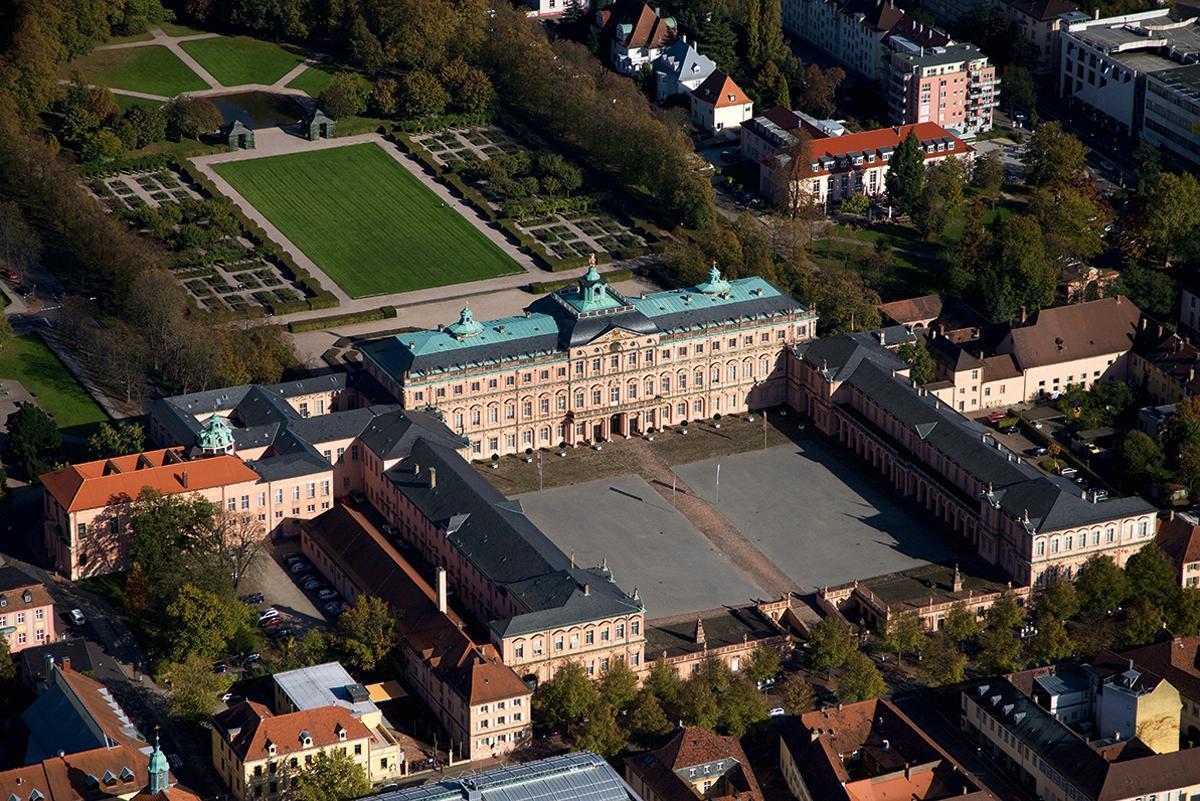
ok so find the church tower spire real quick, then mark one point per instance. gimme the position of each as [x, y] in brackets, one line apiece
[160, 770]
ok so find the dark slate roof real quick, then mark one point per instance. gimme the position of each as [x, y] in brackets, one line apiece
[338, 425]
[730, 625]
[393, 434]
[840, 355]
[84, 655]
[494, 534]
[289, 465]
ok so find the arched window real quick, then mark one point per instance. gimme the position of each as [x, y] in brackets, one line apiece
[716, 375]
[649, 387]
[1041, 548]
[579, 399]
[699, 378]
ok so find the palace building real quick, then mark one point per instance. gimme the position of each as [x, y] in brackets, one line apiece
[586, 364]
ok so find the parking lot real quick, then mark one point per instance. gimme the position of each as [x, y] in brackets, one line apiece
[818, 515]
[648, 545]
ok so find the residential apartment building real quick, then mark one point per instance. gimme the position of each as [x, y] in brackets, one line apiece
[1038, 22]
[953, 86]
[577, 775]
[869, 750]
[1163, 364]
[586, 364]
[858, 33]
[27, 618]
[1137, 73]
[1175, 659]
[693, 763]
[1032, 526]
[481, 703]
[259, 754]
[636, 33]
[680, 69]
[853, 164]
[1179, 537]
[719, 104]
[1083, 734]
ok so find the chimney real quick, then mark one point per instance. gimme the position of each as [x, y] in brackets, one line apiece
[1096, 14]
[441, 589]
[699, 637]
[587, 589]
[1023, 314]
[907, 771]
[433, 478]
[183, 479]
[66, 664]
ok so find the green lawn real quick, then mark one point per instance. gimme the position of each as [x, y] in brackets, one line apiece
[175, 29]
[314, 79]
[237, 60]
[28, 360]
[368, 222]
[152, 69]
[126, 102]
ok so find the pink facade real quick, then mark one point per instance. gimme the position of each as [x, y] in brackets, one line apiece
[953, 86]
[26, 611]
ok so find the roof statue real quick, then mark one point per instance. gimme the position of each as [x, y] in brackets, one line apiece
[215, 438]
[466, 326]
[715, 284]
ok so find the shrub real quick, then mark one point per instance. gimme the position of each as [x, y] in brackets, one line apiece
[317, 323]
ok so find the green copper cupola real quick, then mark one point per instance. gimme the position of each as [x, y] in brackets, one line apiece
[467, 325]
[215, 438]
[715, 285]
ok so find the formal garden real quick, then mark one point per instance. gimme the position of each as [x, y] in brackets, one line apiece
[370, 224]
[152, 69]
[240, 60]
[132, 189]
[539, 191]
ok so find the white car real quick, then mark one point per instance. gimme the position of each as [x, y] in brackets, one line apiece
[77, 617]
[267, 614]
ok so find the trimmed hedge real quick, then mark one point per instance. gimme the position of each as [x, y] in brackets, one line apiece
[98, 169]
[613, 276]
[318, 323]
[441, 122]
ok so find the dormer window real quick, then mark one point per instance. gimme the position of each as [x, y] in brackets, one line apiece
[109, 778]
[127, 775]
[341, 733]
[27, 596]
[270, 748]
[36, 795]
[3, 602]
[306, 739]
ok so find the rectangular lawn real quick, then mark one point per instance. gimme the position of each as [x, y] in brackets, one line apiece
[369, 223]
[237, 60]
[28, 360]
[152, 69]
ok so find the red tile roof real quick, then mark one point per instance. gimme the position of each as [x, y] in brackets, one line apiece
[690, 747]
[1177, 660]
[15, 584]
[876, 140]
[720, 91]
[1180, 539]
[250, 729]
[101, 707]
[119, 771]
[649, 29]
[94, 485]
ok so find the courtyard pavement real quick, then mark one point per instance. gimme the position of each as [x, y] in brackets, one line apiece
[814, 514]
[648, 544]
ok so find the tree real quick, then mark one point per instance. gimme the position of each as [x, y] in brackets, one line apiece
[919, 362]
[192, 117]
[1142, 459]
[818, 95]
[999, 651]
[1152, 575]
[618, 686]
[194, 689]
[961, 623]
[764, 665]
[366, 632]
[201, 623]
[1152, 291]
[697, 704]
[145, 124]
[8, 668]
[1019, 87]
[1141, 624]
[663, 682]
[343, 96]
[20, 245]
[903, 633]
[33, 440]
[565, 699]
[1004, 613]
[856, 204]
[1053, 156]
[364, 47]
[942, 662]
[846, 303]
[906, 175]
[1187, 464]
[798, 696]
[109, 440]
[1072, 222]
[236, 541]
[1183, 615]
[470, 89]
[600, 733]
[163, 527]
[1051, 642]
[422, 95]
[941, 198]
[333, 775]
[1168, 213]
[831, 644]
[648, 721]
[384, 98]
[742, 705]
[988, 174]
[1017, 275]
[1102, 586]
[1059, 600]
[860, 680]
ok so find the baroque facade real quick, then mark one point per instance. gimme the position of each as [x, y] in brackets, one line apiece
[586, 364]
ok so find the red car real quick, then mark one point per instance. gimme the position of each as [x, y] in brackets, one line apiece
[11, 275]
[271, 622]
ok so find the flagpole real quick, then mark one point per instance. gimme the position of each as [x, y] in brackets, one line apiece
[718, 501]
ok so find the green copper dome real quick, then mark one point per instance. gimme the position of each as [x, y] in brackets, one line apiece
[160, 770]
[216, 436]
[466, 326]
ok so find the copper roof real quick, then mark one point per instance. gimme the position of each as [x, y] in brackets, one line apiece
[94, 485]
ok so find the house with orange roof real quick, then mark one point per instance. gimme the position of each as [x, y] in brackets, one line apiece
[831, 169]
[637, 34]
[719, 104]
[1179, 537]
[77, 713]
[259, 753]
[99, 774]
[694, 763]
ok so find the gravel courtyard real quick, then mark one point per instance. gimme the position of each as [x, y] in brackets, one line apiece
[817, 513]
[648, 544]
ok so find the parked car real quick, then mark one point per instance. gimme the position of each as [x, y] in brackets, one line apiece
[313, 583]
[279, 634]
[327, 594]
[333, 607]
[1101, 495]
[777, 711]
[301, 567]
[250, 659]
[11, 275]
[220, 667]
[253, 598]
[271, 622]
[293, 558]
[268, 613]
[1037, 451]
[1067, 471]
[77, 617]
